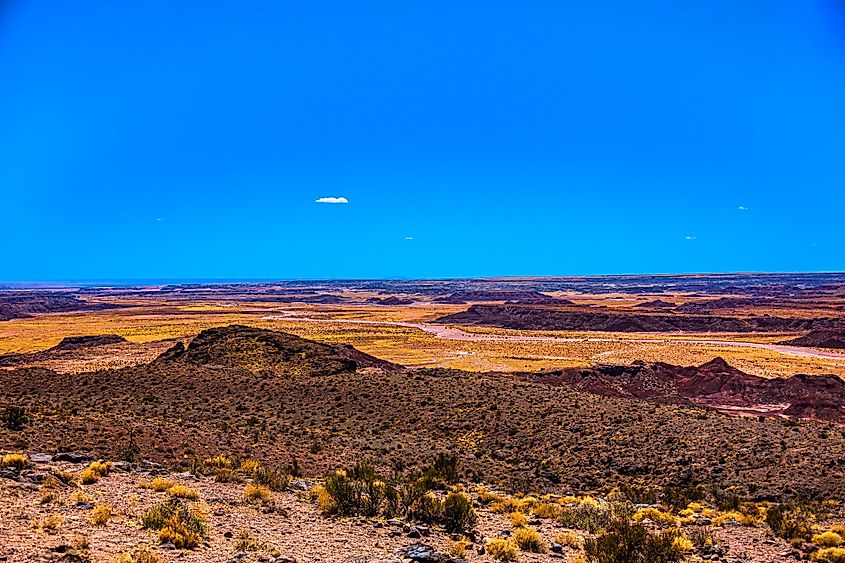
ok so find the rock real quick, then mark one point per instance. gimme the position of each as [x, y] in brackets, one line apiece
[228, 535]
[167, 545]
[40, 458]
[34, 477]
[424, 530]
[421, 553]
[72, 457]
[82, 505]
[557, 548]
[303, 485]
[395, 522]
[123, 466]
[414, 533]
[8, 474]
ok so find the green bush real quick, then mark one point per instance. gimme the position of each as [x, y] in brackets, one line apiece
[458, 514]
[624, 542]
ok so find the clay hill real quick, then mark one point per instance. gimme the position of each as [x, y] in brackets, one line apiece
[69, 348]
[528, 317]
[267, 352]
[820, 339]
[715, 384]
[656, 304]
[275, 397]
[508, 295]
[392, 300]
[25, 303]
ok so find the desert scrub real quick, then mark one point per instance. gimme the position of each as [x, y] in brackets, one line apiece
[624, 542]
[181, 491]
[568, 539]
[15, 418]
[790, 522]
[176, 524]
[501, 549]
[831, 554]
[50, 524]
[459, 547]
[14, 461]
[143, 555]
[518, 519]
[827, 539]
[546, 510]
[657, 516]
[101, 514]
[590, 515]
[528, 539]
[276, 479]
[458, 514]
[159, 484]
[94, 472]
[256, 493]
[249, 466]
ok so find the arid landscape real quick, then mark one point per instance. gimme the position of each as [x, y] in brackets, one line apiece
[705, 412]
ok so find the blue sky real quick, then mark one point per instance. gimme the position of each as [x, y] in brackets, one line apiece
[148, 140]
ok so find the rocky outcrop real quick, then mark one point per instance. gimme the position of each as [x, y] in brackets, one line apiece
[528, 317]
[714, 384]
[820, 339]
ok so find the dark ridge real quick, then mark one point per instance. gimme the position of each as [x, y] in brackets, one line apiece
[79, 342]
[528, 317]
[508, 295]
[656, 304]
[820, 339]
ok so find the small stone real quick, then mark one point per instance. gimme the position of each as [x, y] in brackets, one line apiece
[557, 548]
[40, 458]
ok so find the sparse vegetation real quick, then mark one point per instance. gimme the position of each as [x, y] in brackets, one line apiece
[626, 542]
[101, 514]
[790, 522]
[15, 418]
[501, 549]
[181, 491]
[14, 461]
[528, 539]
[256, 493]
[176, 524]
[458, 514]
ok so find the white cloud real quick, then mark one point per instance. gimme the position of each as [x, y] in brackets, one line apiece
[332, 200]
[742, 208]
[689, 237]
[409, 238]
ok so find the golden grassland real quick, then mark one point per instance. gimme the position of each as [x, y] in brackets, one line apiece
[368, 328]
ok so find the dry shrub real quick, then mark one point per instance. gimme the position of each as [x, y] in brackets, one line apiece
[501, 549]
[256, 493]
[827, 539]
[181, 491]
[528, 539]
[101, 514]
